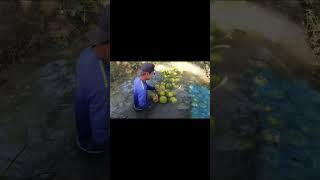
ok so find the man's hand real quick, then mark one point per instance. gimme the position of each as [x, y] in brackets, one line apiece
[155, 98]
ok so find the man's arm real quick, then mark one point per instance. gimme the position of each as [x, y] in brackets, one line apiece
[142, 98]
[98, 106]
[150, 87]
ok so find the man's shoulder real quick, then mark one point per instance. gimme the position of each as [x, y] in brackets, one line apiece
[137, 82]
[86, 58]
[85, 53]
[136, 79]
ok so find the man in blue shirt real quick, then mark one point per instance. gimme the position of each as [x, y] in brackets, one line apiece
[92, 90]
[140, 92]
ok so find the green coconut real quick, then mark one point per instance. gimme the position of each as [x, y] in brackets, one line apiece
[161, 93]
[168, 85]
[173, 99]
[162, 87]
[169, 94]
[163, 99]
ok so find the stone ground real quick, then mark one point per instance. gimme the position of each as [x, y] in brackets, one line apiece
[37, 125]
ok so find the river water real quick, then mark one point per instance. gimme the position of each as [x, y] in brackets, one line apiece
[274, 97]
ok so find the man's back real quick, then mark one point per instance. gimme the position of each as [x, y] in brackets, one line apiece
[91, 99]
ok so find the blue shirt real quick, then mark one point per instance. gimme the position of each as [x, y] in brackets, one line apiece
[92, 98]
[140, 93]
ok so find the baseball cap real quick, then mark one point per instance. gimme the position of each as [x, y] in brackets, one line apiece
[147, 67]
[101, 33]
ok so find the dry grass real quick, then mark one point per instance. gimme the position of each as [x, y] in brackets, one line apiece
[312, 25]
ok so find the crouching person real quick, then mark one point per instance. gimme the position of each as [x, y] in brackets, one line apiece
[92, 90]
[141, 87]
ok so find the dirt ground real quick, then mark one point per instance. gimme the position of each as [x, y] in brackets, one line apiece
[37, 126]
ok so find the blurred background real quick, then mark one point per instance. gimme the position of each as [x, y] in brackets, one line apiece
[29, 26]
[266, 90]
[40, 44]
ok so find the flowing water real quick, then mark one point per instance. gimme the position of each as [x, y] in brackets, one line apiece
[268, 112]
[192, 94]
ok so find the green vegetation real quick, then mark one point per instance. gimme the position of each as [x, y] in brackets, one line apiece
[43, 24]
[79, 10]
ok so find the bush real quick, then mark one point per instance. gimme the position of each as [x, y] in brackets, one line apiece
[82, 10]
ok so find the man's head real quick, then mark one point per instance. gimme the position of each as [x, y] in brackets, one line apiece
[100, 37]
[146, 71]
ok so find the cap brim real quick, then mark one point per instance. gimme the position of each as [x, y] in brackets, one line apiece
[97, 36]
